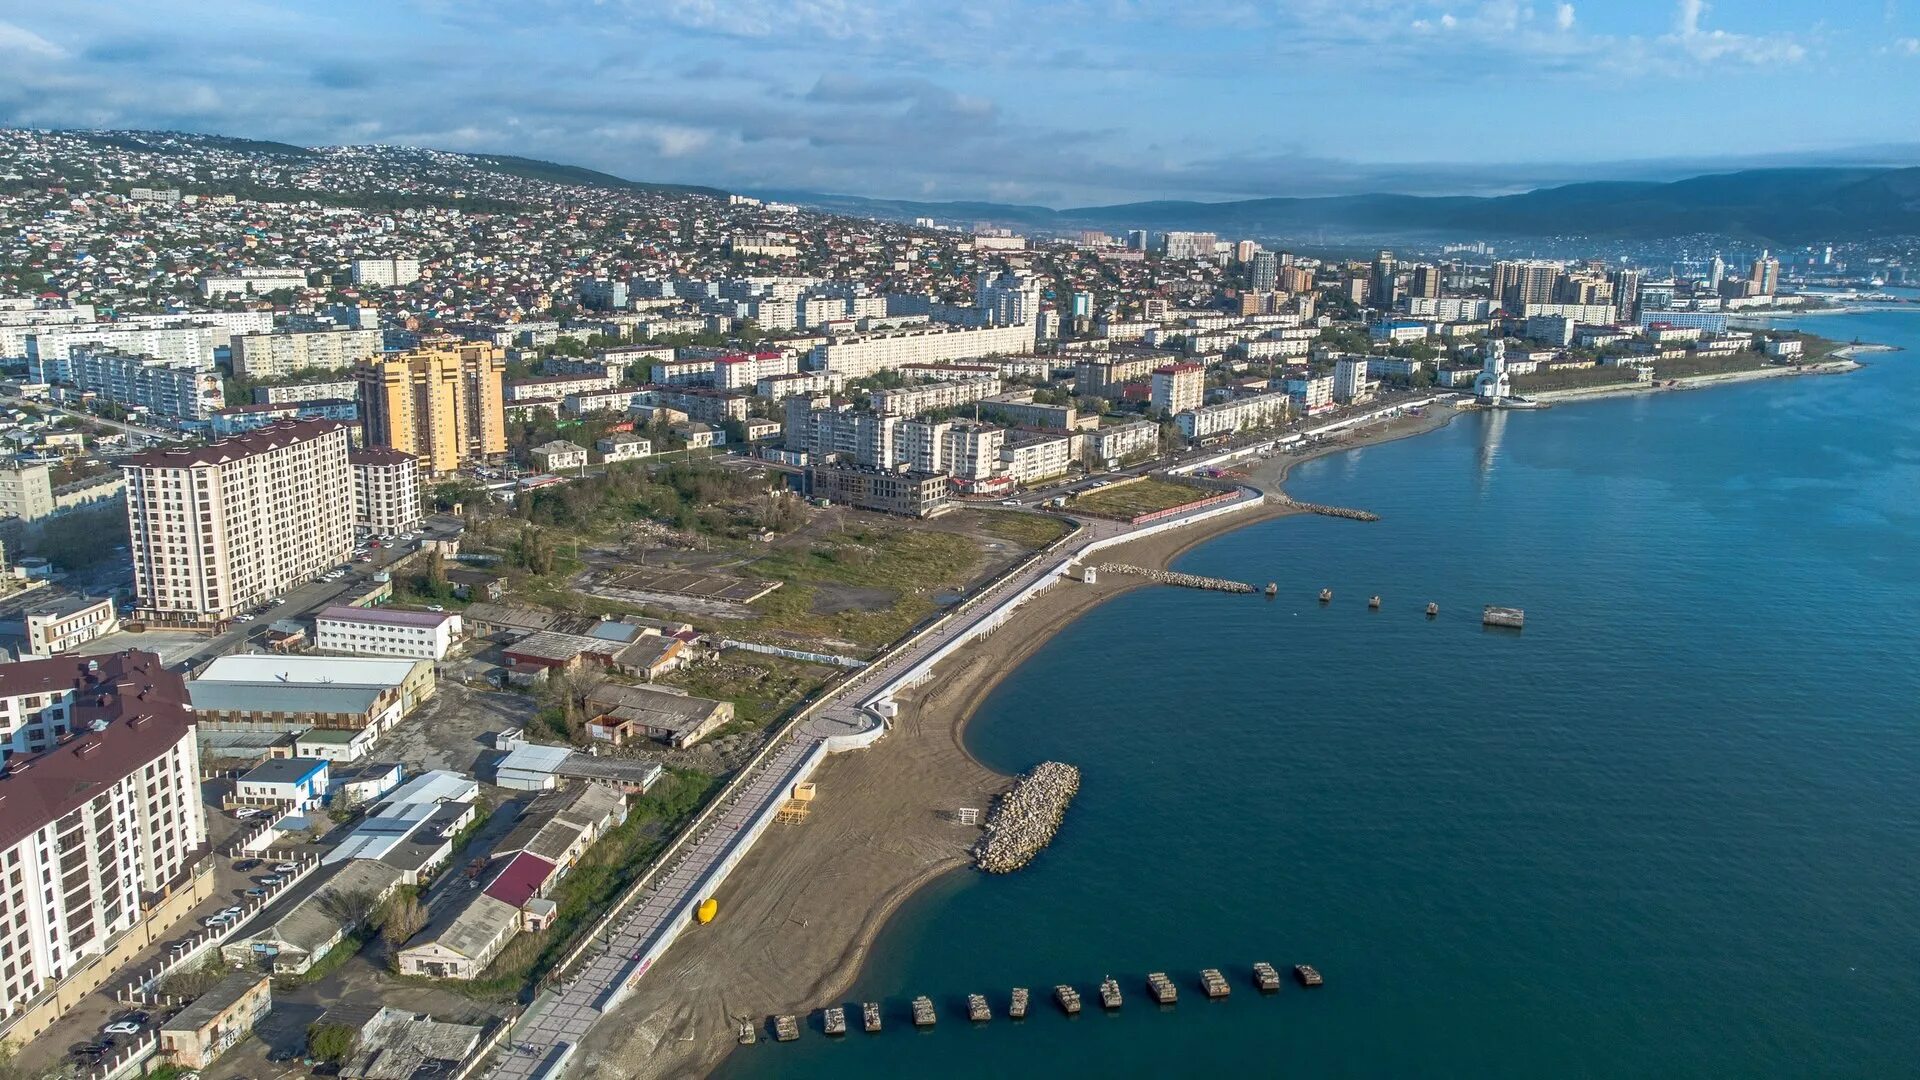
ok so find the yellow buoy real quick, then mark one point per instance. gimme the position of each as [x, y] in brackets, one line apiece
[707, 910]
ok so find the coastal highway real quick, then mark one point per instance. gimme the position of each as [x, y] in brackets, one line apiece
[540, 1046]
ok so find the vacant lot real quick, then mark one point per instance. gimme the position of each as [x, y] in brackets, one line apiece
[703, 586]
[1689, 366]
[912, 565]
[1137, 497]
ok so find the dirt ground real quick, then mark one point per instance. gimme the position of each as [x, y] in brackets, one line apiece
[452, 730]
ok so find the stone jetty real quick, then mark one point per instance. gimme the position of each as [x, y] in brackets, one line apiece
[1026, 817]
[1326, 511]
[1168, 577]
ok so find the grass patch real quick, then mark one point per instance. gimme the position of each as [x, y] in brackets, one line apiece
[1030, 531]
[346, 950]
[762, 688]
[1573, 379]
[1137, 497]
[915, 564]
[1689, 367]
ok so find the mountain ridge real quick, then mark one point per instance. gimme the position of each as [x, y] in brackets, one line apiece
[1778, 205]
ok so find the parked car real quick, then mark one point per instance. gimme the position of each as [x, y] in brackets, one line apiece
[270, 879]
[247, 811]
[232, 912]
[137, 1017]
[122, 1027]
[285, 867]
[257, 891]
[245, 865]
[243, 617]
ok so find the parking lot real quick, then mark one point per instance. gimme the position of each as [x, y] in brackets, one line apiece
[83, 1023]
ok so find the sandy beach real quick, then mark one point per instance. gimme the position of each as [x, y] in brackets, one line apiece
[799, 914]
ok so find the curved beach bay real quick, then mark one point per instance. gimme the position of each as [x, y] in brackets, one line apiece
[1667, 830]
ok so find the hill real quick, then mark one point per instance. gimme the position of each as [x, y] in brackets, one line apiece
[1779, 206]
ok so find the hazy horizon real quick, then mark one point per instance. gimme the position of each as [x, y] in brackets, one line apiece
[1059, 104]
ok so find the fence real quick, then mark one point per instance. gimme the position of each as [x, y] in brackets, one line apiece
[794, 654]
[134, 1056]
[141, 989]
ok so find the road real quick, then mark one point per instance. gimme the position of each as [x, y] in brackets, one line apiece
[693, 866]
[152, 434]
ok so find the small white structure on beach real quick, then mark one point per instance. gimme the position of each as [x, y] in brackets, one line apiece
[1494, 384]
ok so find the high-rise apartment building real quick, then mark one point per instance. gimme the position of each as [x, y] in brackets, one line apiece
[386, 489]
[442, 403]
[1765, 275]
[221, 528]
[1264, 271]
[1008, 299]
[100, 816]
[1178, 387]
[1517, 284]
[1426, 282]
[1383, 282]
[1626, 292]
[1716, 273]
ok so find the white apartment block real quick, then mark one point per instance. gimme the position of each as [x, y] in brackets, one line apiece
[1265, 348]
[1350, 379]
[182, 390]
[17, 324]
[945, 394]
[93, 825]
[801, 382]
[269, 356]
[557, 386]
[386, 489]
[861, 437]
[860, 355]
[218, 529]
[420, 635]
[623, 446]
[973, 450]
[386, 273]
[1116, 443]
[285, 393]
[253, 281]
[50, 351]
[772, 314]
[618, 401]
[1031, 457]
[226, 323]
[1596, 314]
[1178, 387]
[744, 371]
[1243, 413]
[1450, 308]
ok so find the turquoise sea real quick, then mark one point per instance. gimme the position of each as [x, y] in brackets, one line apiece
[1670, 829]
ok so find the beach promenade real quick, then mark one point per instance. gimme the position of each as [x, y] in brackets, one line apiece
[636, 933]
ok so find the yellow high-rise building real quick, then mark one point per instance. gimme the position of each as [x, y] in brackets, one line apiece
[442, 403]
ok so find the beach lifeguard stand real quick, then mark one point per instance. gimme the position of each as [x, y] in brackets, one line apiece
[796, 808]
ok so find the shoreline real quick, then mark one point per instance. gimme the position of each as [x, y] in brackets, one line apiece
[1700, 382]
[881, 830]
[881, 833]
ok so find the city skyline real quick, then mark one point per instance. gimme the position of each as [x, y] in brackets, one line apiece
[1057, 104]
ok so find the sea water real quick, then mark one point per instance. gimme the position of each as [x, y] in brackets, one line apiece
[1672, 828]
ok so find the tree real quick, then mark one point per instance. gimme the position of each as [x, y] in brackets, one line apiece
[331, 1042]
[405, 916]
[436, 582]
[351, 907]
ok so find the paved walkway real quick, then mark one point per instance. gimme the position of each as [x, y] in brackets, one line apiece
[567, 1016]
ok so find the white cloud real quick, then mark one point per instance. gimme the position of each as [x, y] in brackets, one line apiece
[1708, 46]
[1563, 17]
[19, 39]
[1910, 46]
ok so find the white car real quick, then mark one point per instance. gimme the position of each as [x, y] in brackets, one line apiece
[121, 1027]
[284, 867]
[243, 617]
[246, 812]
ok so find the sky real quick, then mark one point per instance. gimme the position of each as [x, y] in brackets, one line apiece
[1054, 102]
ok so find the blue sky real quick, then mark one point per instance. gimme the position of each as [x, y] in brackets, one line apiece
[1066, 102]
